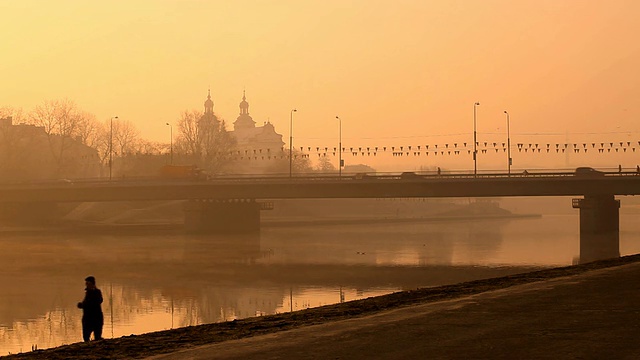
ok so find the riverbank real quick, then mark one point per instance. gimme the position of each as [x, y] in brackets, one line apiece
[388, 220]
[185, 338]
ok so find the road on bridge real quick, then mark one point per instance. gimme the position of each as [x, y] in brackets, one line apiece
[411, 185]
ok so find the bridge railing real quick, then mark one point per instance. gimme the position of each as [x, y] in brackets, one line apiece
[390, 176]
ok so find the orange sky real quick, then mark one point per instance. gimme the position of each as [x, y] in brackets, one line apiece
[391, 69]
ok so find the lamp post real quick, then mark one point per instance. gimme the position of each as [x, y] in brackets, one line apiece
[111, 145]
[475, 152]
[340, 149]
[171, 143]
[508, 145]
[291, 141]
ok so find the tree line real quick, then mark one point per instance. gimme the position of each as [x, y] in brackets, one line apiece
[63, 125]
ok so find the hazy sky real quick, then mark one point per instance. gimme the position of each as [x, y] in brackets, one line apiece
[389, 69]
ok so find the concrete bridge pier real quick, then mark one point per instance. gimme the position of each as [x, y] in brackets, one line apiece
[599, 227]
[222, 216]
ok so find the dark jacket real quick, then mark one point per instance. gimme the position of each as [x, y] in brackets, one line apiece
[91, 304]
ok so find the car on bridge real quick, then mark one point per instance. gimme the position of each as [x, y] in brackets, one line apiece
[363, 176]
[585, 171]
[409, 175]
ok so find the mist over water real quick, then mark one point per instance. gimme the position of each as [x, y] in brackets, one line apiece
[162, 281]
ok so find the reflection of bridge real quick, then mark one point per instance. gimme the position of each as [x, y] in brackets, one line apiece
[228, 204]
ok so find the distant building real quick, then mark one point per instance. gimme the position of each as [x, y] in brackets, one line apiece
[257, 147]
[28, 153]
[255, 140]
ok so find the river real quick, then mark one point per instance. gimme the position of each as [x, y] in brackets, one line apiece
[166, 280]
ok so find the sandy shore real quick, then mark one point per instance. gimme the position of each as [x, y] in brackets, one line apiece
[169, 341]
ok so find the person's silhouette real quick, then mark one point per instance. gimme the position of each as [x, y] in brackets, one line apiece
[92, 318]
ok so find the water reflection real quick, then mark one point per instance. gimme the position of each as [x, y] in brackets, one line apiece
[162, 281]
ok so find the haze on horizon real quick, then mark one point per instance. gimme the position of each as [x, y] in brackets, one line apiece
[407, 69]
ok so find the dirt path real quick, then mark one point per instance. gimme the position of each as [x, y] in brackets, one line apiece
[585, 311]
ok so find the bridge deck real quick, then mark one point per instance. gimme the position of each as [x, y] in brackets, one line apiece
[384, 186]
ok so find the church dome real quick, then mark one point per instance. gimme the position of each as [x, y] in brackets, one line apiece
[244, 120]
[208, 103]
[244, 105]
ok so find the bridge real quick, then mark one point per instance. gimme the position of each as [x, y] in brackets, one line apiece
[233, 203]
[407, 184]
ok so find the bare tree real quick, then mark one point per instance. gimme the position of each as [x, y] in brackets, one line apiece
[325, 165]
[207, 142]
[144, 160]
[147, 147]
[57, 117]
[11, 112]
[102, 141]
[189, 141]
[300, 164]
[60, 120]
[125, 137]
[89, 129]
[216, 145]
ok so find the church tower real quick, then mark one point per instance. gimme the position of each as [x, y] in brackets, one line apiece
[209, 117]
[244, 120]
[208, 104]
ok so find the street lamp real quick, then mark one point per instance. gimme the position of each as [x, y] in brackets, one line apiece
[475, 152]
[508, 145]
[171, 143]
[340, 149]
[111, 145]
[291, 140]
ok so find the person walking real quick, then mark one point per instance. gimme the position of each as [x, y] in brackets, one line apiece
[92, 317]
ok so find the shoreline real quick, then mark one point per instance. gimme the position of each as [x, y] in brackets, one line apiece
[388, 220]
[168, 341]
